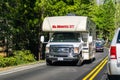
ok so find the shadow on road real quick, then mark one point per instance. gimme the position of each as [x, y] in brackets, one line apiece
[63, 64]
[71, 63]
[113, 77]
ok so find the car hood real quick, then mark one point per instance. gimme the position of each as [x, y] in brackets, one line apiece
[74, 44]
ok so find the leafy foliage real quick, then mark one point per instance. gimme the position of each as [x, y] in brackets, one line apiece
[104, 16]
[20, 57]
[109, 12]
[117, 15]
[62, 7]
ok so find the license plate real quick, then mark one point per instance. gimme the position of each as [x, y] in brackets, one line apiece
[60, 59]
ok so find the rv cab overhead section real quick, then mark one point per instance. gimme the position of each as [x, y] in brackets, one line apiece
[65, 24]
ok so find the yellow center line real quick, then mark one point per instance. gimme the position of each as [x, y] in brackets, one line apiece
[85, 78]
[93, 76]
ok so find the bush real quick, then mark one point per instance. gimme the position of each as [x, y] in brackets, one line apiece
[2, 62]
[23, 56]
[19, 57]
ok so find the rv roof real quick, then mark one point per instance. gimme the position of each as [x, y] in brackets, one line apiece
[65, 24]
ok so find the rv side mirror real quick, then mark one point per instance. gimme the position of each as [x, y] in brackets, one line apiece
[80, 39]
[42, 39]
[90, 39]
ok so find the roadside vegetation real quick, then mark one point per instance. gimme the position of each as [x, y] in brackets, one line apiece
[21, 20]
[18, 57]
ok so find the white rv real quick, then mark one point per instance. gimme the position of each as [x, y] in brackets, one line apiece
[71, 39]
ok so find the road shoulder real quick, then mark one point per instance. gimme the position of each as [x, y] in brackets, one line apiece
[12, 69]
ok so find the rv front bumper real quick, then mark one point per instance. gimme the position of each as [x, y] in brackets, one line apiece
[54, 58]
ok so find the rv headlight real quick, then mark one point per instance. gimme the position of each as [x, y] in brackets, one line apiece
[76, 50]
[47, 50]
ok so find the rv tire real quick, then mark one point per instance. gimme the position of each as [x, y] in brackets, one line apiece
[48, 62]
[80, 61]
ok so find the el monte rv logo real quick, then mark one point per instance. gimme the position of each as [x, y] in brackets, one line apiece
[62, 26]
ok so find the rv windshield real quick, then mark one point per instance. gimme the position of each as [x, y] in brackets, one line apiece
[65, 37]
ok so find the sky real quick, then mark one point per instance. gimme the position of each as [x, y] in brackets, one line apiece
[99, 1]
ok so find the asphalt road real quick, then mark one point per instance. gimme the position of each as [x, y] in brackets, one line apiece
[60, 71]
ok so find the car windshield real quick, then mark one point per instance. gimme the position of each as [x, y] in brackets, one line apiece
[65, 37]
[99, 44]
[118, 38]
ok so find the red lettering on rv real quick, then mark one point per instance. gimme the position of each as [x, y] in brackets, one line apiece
[62, 26]
[71, 26]
[54, 26]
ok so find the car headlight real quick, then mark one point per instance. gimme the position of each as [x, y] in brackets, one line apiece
[76, 50]
[47, 49]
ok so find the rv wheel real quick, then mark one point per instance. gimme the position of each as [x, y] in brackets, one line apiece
[48, 62]
[80, 61]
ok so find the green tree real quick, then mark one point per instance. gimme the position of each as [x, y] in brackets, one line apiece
[109, 27]
[21, 21]
[63, 7]
[5, 25]
[26, 24]
[117, 14]
[103, 16]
